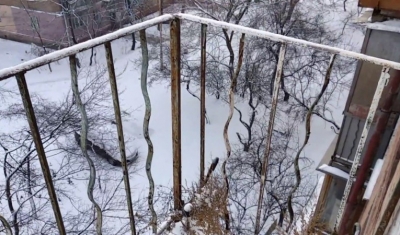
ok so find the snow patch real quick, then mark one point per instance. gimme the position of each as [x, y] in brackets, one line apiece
[373, 179]
[390, 25]
[333, 171]
[188, 207]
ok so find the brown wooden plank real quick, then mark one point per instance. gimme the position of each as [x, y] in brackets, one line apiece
[369, 219]
[368, 3]
[390, 5]
[393, 226]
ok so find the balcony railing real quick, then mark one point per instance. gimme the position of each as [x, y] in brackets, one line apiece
[19, 71]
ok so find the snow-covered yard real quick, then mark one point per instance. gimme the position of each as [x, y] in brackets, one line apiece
[56, 85]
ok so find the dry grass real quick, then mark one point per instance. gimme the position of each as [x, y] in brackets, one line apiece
[307, 225]
[209, 207]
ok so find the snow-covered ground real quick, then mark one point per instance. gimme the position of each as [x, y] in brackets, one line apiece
[55, 86]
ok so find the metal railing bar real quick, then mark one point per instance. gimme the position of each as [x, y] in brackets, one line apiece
[175, 34]
[146, 123]
[228, 147]
[30, 114]
[277, 84]
[121, 140]
[83, 142]
[289, 40]
[66, 52]
[202, 100]
[6, 225]
[367, 126]
[57, 55]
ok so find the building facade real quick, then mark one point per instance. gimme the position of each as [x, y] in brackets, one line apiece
[60, 23]
[381, 40]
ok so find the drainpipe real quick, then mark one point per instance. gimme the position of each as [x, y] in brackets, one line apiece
[387, 102]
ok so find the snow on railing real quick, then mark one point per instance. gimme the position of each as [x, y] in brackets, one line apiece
[19, 70]
[72, 50]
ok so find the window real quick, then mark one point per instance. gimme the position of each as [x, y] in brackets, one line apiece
[113, 16]
[332, 202]
[136, 2]
[80, 3]
[77, 22]
[35, 23]
[97, 17]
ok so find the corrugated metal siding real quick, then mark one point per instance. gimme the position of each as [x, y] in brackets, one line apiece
[350, 136]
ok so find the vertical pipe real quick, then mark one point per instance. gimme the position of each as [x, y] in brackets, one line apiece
[30, 114]
[175, 32]
[118, 120]
[202, 100]
[387, 101]
[278, 78]
[371, 114]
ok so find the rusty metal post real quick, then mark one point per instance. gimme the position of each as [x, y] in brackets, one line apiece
[352, 174]
[118, 120]
[387, 100]
[278, 78]
[202, 100]
[30, 114]
[175, 34]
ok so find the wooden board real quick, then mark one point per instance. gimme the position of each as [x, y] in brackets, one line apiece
[390, 5]
[373, 213]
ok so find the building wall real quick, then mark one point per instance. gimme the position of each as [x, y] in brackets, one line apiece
[146, 7]
[17, 24]
[96, 20]
[39, 5]
[380, 44]
[367, 74]
[6, 19]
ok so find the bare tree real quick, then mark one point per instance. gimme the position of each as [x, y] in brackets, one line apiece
[36, 28]
[27, 203]
[304, 69]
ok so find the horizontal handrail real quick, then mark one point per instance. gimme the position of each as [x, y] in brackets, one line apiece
[289, 40]
[72, 50]
[60, 54]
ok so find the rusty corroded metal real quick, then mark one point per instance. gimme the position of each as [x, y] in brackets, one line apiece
[118, 120]
[30, 114]
[175, 34]
[277, 84]
[202, 100]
